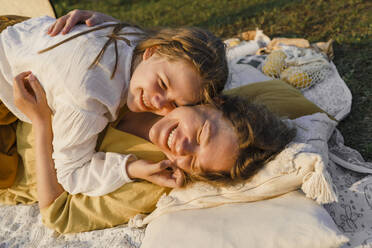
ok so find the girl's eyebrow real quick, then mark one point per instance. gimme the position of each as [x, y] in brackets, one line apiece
[166, 79]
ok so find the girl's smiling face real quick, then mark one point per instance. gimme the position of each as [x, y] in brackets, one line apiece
[159, 85]
[197, 139]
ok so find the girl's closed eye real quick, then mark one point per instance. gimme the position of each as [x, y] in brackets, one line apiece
[175, 105]
[163, 85]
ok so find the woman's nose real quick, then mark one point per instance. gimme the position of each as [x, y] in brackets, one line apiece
[183, 147]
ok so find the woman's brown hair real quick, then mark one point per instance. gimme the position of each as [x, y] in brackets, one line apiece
[261, 136]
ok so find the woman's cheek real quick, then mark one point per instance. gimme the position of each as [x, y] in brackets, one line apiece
[184, 163]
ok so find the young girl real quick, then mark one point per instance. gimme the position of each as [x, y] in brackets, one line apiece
[147, 72]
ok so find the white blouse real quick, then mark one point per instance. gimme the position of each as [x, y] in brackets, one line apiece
[83, 100]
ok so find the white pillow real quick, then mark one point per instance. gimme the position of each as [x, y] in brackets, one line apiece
[291, 220]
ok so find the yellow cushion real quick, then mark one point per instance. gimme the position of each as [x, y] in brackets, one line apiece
[23, 189]
[8, 150]
[279, 97]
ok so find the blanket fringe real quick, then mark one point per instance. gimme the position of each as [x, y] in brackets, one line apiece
[317, 185]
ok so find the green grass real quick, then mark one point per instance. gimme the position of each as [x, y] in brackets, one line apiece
[348, 22]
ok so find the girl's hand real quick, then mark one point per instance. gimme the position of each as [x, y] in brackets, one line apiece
[68, 21]
[29, 97]
[163, 173]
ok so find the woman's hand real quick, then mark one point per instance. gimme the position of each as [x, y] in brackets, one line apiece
[29, 97]
[68, 21]
[163, 173]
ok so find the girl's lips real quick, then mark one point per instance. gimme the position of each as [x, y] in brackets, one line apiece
[142, 104]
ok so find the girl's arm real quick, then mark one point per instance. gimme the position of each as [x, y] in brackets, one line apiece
[30, 98]
[68, 21]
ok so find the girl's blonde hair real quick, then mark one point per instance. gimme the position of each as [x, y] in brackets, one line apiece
[197, 46]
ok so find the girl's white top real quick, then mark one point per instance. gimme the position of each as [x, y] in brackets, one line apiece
[83, 100]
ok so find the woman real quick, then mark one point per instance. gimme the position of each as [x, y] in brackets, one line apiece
[224, 142]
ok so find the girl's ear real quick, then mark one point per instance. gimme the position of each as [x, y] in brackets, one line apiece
[149, 52]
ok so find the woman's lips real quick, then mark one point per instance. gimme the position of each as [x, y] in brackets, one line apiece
[166, 136]
[171, 138]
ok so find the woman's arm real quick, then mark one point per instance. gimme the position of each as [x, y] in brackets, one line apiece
[68, 21]
[30, 98]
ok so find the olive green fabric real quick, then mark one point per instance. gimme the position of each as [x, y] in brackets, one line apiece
[79, 213]
[24, 188]
[279, 97]
[8, 153]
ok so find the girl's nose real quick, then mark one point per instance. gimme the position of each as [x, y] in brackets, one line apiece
[162, 104]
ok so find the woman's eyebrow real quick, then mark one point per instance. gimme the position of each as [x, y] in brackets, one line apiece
[205, 135]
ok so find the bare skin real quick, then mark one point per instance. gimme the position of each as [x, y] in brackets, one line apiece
[65, 23]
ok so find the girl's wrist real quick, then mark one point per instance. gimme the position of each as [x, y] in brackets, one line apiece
[131, 170]
[41, 122]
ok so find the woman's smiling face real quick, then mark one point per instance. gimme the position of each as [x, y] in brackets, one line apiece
[197, 139]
